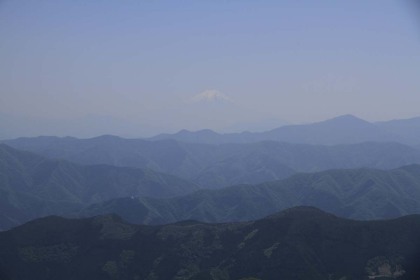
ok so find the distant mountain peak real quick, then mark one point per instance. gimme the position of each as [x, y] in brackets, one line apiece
[211, 96]
[346, 119]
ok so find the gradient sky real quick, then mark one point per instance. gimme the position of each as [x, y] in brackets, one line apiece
[165, 65]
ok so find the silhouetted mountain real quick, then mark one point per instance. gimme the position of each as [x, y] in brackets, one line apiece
[300, 243]
[32, 186]
[12, 126]
[359, 193]
[216, 166]
[345, 129]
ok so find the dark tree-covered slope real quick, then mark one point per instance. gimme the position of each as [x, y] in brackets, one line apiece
[300, 243]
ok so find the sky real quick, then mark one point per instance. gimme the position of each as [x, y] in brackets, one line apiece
[138, 68]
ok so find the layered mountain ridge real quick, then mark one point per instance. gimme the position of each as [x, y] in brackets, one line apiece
[216, 166]
[354, 193]
[32, 186]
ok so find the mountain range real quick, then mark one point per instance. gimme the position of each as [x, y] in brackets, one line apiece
[352, 193]
[346, 129]
[220, 165]
[299, 243]
[207, 205]
[33, 186]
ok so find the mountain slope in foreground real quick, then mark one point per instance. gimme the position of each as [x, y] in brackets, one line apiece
[299, 243]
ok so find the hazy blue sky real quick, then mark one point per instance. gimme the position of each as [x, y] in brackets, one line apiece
[166, 65]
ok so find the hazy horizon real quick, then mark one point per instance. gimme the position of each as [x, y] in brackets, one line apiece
[140, 68]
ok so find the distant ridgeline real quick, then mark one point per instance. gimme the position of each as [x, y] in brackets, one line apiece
[299, 243]
[33, 186]
[354, 193]
[221, 165]
[346, 129]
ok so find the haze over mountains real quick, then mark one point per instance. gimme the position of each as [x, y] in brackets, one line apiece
[209, 140]
[359, 194]
[132, 177]
[346, 129]
[216, 166]
[32, 186]
[408, 129]
[345, 166]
